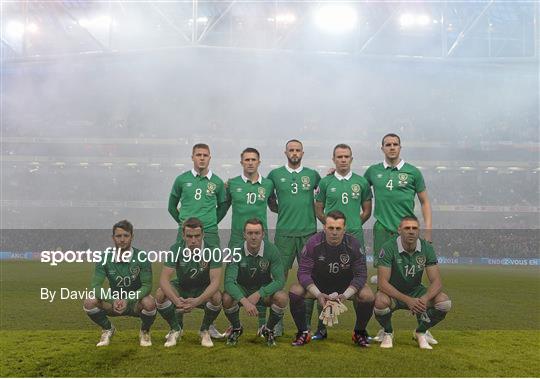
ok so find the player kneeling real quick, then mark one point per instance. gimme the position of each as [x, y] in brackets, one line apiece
[401, 265]
[130, 283]
[332, 262]
[256, 279]
[196, 284]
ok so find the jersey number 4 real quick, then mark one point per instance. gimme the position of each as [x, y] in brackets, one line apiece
[390, 185]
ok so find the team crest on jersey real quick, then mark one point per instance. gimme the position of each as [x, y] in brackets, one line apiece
[134, 271]
[355, 191]
[305, 182]
[263, 264]
[261, 193]
[344, 258]
[210, 188]
[421, 261]
[402, 179]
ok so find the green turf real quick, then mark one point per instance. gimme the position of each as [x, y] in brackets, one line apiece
[492, 330]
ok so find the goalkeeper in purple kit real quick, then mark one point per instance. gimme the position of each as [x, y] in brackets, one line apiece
[332, 267]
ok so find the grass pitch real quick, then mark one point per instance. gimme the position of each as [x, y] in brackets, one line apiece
[492, 330]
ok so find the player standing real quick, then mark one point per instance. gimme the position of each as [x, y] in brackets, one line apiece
[349, 193]
[200, 194]
[332, 261]
[130, 283]
[248, 194]
[196, 284]
[395, 184]
[294, 189]
[401, 264]
[257, 279]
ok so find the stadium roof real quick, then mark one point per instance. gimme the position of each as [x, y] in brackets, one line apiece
[444, 30]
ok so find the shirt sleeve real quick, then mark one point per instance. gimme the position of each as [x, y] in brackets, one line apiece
[305, 266]
[174, 199]
[366, 191]
[420, 185]
[98, 279]
[367, 176]
[431, 257]
[385, 257]
[317, 179]
[224, 206]
[358, 266]
[231, 286]
[278, 276]
[321, 192]
[146, 281]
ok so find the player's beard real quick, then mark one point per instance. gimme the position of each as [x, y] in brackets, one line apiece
[294, 161]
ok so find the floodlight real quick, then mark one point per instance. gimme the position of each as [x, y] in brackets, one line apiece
[15, 29]
[336, 19]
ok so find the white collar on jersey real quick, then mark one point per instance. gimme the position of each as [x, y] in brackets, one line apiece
[208, 175]
[297, 170]
[259, 253]
[401, 249]
[245, 179]
[346, 177]
[399, 165]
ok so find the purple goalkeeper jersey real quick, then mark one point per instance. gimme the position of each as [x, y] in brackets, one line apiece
[332, 268]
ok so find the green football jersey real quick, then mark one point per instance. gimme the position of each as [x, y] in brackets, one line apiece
[346, 195]
[131, 277]
[295, 194]
[262, 272]
[248, 200]
[199, 197]
[192, 274]
[406, 269]
[394, 190]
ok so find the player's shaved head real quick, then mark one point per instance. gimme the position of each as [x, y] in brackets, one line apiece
[293, 140]
[294, 151]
